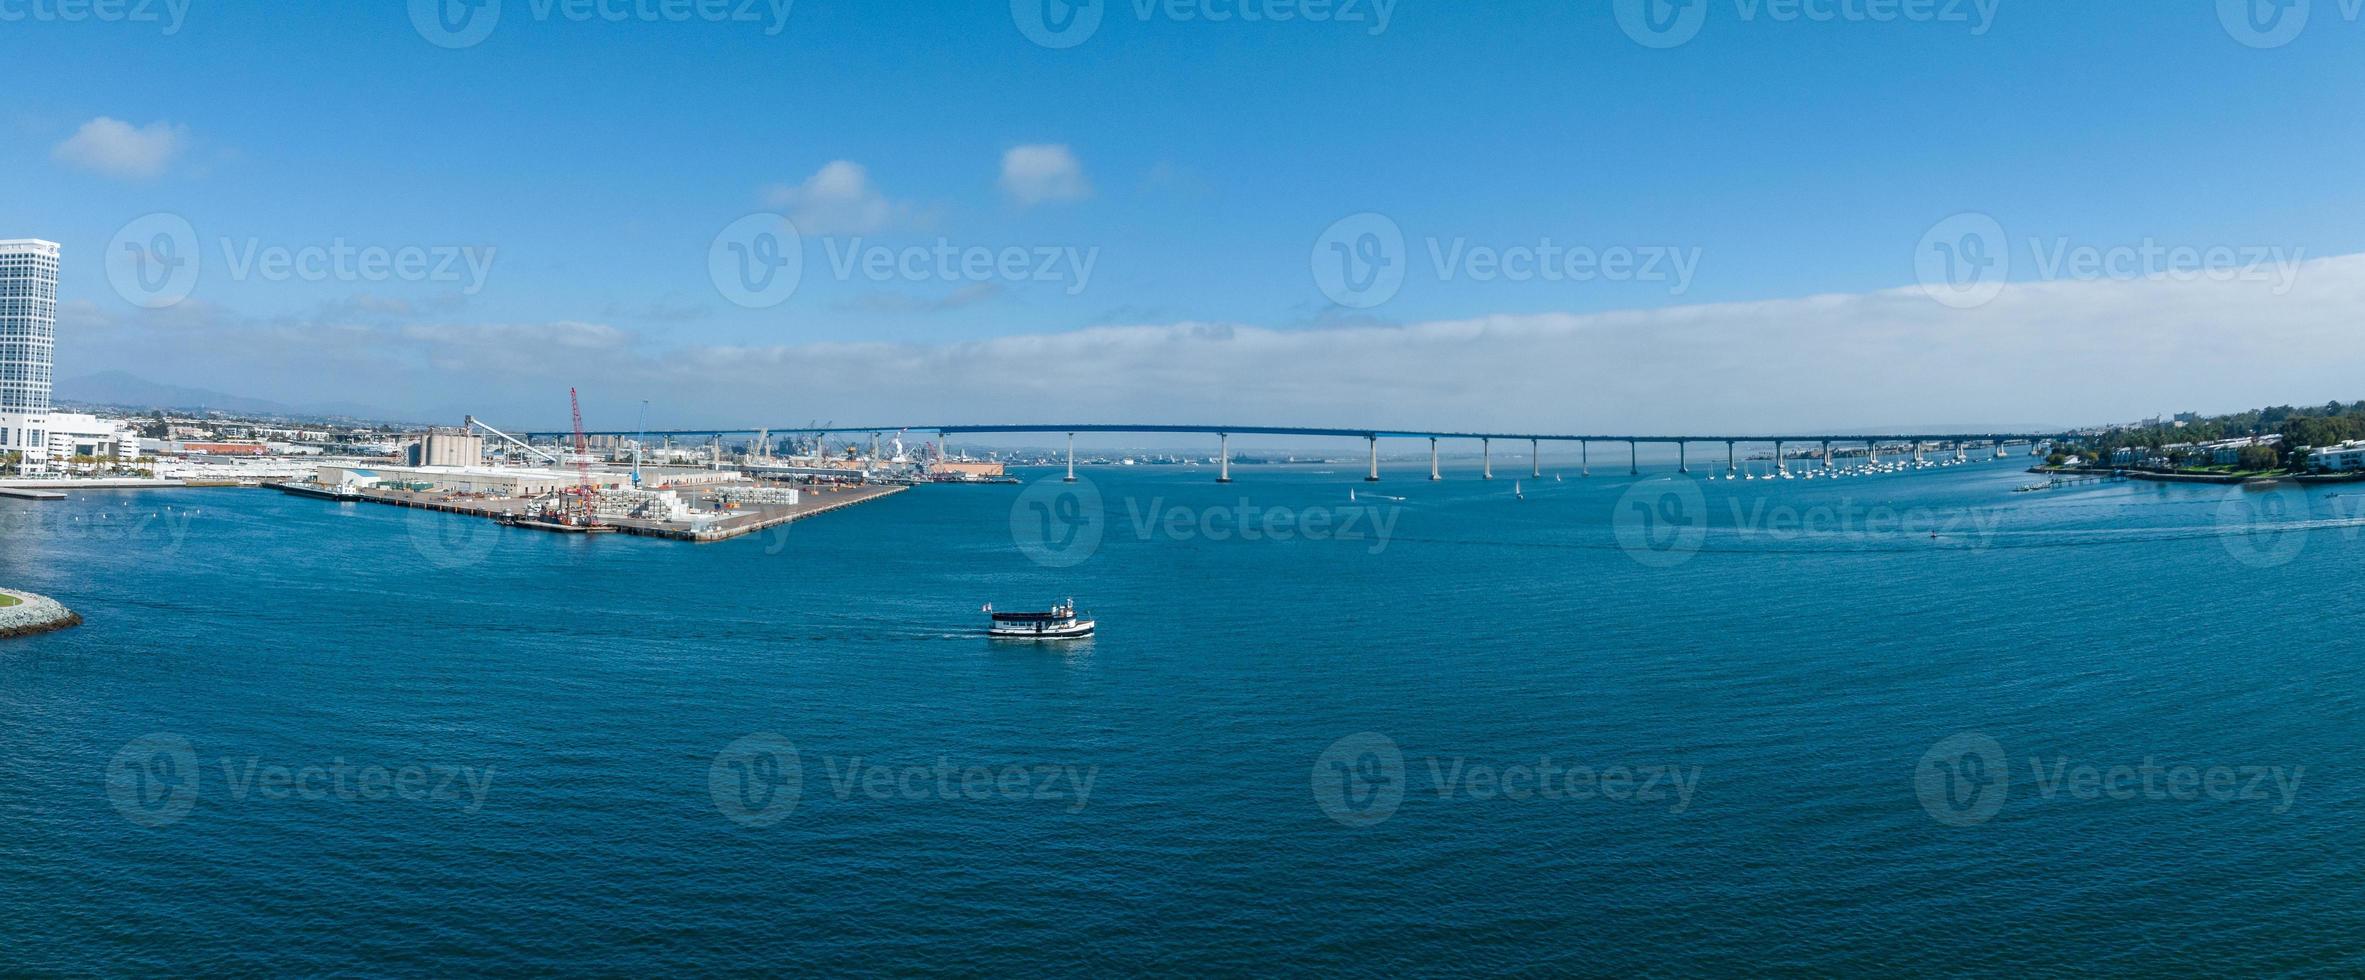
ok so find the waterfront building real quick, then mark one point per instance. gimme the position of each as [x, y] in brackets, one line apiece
[28, 345]
[2348, 457]
[73, 434]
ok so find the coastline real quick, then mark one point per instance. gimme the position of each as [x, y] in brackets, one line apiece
[34, 614]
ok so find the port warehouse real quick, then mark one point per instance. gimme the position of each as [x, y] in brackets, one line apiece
[509, 481]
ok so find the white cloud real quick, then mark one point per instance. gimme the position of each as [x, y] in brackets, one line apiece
[119, 149]
[839, 199]
[2041, 355]
[1040, 173]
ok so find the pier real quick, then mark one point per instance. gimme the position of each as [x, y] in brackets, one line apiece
[750, 519]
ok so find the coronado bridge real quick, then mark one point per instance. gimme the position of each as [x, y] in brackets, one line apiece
[1959, 442]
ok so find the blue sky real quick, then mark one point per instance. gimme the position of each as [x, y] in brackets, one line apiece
[1197, 163]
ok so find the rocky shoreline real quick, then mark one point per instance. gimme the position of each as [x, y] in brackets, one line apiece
[34, 613]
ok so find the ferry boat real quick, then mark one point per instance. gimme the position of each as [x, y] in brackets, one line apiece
[1058, 624]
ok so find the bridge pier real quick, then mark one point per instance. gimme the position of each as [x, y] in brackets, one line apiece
[1071, 458]
[1486, 459]
[1584, 458]
[1433, 474]
[1633, 459]
[1223, 457]
[1682, 465]
[1374, 476]
[1535, 459]
[1729, 466]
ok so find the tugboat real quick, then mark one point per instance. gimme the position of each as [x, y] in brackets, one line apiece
[1058, 624]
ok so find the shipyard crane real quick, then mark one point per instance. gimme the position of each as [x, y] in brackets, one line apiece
[582, 448]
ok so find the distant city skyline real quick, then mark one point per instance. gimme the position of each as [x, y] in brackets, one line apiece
[1178, 225]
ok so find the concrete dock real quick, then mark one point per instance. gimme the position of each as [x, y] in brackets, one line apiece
[747, 519]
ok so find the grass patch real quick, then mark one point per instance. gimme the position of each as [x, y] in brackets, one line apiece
[7, 600]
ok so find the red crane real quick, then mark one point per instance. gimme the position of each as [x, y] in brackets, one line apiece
[582, 450]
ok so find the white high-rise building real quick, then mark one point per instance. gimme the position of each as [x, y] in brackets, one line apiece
[28, 345]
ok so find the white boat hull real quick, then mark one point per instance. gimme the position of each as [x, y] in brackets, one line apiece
[1076, 629]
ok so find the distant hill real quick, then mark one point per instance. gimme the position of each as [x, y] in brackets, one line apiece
[123, 390]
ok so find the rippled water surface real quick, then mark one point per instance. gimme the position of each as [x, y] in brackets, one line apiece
[1912, 723]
